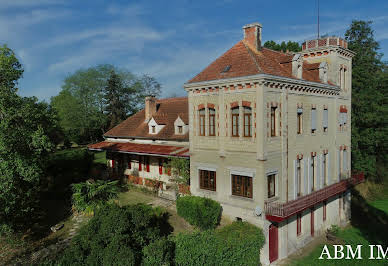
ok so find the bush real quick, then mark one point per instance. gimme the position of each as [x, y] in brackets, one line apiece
[90, 195]
[116, 236]
[201, 212]
[159, 252]
[235, 244]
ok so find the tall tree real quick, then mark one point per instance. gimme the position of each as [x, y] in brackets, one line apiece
[369, 99]
[24, 145]
[115, 98]
[81, 104]
[283, 46]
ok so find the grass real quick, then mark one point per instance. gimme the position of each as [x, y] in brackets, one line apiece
[134, 196]
[369, 226]
[100, 157]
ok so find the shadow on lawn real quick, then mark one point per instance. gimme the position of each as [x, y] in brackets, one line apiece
[372, 222]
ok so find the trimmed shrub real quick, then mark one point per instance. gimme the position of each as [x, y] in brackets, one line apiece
[116, 236]
[235, 244]
[201, 212]
[160, 252]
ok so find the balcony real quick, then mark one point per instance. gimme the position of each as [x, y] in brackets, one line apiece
[278, 211]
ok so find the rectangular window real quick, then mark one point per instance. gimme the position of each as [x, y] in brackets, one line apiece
[271, 185]
[235, 122]
[180, 129]
[324, 169]
[325, 121]
[153, 129]
[273, 121]
[312, 173]
[212, 122]
[299, 121]
[299, 177]
[298, 224]
[247, 122]
[202, 122]
[313, 120]
[242, 186]
[207, 180]
[324, 210]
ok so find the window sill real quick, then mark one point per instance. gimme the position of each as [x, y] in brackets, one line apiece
[275, 198]
[241, 198]
[206, 191]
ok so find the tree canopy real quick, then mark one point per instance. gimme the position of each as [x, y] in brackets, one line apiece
[369, 101]
[283, 46]
[83, 107]
[25, 125]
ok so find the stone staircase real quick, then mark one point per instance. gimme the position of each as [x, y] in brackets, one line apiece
[168, 194]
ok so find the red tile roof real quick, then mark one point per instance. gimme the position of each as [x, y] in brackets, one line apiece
[140, 148]
[167, 112]
[245, 61]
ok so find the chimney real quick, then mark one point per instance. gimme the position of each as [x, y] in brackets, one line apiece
[150, 107]
[297, 66]
[252, 35]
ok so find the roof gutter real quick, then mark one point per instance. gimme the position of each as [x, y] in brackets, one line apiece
[260, 77]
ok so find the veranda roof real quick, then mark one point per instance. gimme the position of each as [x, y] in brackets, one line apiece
[141, 148]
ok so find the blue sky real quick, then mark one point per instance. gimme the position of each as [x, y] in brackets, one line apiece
[170, 40]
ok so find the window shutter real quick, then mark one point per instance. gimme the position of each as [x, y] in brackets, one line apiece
[296, 185]
[325, 118]
[328, 169]
[318, 171]
[313, 119]
[338, 163]
[113, 163]
[147, 163]
[322, 171]
[345, 160]
[310, 176]
[305, 172]
[160, 166]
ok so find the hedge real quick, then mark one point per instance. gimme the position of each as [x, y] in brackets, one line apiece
[116, 236]
[159, 253]
[201, 212]
[235, 244]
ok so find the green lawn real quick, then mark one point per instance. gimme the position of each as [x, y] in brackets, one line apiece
[133, 197]
[369, 226]
[351, 236]
[100, 157]
[381, 205]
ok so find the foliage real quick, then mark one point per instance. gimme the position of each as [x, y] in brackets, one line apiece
[81, 104]
[369, 102]
[235, 244]
[180, 169]
[116, 236]
[201, 212]
[159, 252]
[89, 195]
[283, 46]
[25, 125]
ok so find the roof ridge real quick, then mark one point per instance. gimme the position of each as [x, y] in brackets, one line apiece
[252, 56]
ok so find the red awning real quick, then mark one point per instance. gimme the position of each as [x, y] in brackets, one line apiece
[140, 148]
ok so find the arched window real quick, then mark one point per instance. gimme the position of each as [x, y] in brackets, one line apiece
[212, 122]
[235, 116]
[247, 122]
[202, 122]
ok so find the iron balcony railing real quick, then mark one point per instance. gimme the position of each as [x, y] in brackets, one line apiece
[287, 209]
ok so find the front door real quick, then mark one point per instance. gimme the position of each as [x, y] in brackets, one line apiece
[273, 243]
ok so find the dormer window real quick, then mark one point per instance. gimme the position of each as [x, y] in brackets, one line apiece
[180, 129]
[180, 126]
[153, 129]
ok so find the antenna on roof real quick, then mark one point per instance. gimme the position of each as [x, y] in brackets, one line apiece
[318, 19]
